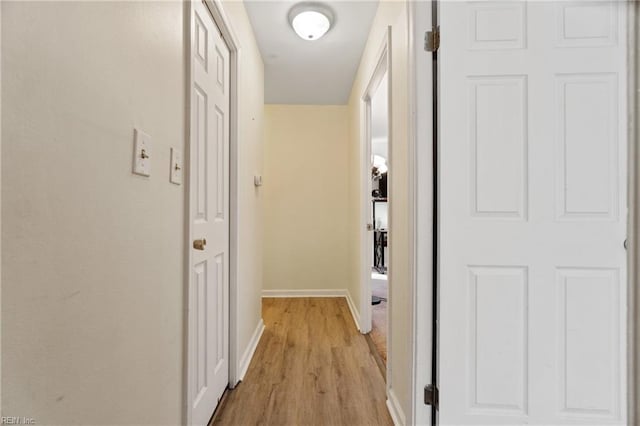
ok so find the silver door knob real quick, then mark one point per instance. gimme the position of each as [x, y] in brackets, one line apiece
[200, 244]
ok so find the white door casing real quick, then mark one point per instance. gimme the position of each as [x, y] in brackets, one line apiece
[209, 217]
[382, 70]
[533, 148]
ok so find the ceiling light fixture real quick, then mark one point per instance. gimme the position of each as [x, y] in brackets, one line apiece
[310, 20]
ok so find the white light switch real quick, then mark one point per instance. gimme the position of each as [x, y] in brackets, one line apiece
[142, 153]
[175, 175]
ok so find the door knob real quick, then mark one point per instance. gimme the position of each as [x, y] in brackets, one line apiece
[369, 226]
[199, 244]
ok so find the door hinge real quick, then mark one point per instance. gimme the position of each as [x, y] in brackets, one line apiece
[432, 40]
[431, 396]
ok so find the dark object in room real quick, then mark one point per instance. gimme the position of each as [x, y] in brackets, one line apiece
[382, 186]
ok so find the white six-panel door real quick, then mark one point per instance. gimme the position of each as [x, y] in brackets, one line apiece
[209, 210]
[533, 212]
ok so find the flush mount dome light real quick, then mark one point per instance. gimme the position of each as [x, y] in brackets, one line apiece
[310, 21]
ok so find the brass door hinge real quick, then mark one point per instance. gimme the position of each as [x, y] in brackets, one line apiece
[432, 40]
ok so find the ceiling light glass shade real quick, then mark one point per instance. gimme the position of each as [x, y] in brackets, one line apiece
[310, 22]
[380, 163]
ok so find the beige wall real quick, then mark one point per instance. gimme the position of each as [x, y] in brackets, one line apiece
[92, 259]
[250, 153]
[93, 318]
[394, 14]
[306, 197]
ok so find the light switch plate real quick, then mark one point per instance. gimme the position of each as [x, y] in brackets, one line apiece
[175, 175]
[141, 153]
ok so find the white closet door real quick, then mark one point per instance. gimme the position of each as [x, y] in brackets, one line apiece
[209, 201]
[533, 212]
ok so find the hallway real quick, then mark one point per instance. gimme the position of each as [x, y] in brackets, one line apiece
[194, 195]
[312, 366]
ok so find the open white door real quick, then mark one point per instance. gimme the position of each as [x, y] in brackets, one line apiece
[533, 212]
[209, 218]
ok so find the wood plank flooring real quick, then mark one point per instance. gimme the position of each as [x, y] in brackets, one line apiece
[311, 367]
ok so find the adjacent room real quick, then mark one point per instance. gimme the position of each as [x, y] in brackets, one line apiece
[380, 206]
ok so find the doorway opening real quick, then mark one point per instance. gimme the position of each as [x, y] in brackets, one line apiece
[379, 283]
[376, 207]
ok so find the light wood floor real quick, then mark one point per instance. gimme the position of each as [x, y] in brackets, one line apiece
[312, 367]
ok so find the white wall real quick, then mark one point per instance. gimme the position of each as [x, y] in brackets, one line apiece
[379, 146]
[93, 312]
[390, 13]
[306, 197]
[379, 113]
[382, 215]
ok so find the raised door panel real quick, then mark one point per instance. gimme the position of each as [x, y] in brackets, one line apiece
[201, 362]
[498, 339]
[498, 119]
[497, 25]
[589, 323]
[200, 148]
[588, 146]
[219, 147]
[587, 23]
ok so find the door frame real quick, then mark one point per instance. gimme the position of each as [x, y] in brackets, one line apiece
[421, 141]
[422, 220]
[220, 19]
[381, 69]
[633, 222]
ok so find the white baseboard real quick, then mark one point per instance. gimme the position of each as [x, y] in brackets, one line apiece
[250, 350]
[305, 293]
[393, 405]
[354, 312]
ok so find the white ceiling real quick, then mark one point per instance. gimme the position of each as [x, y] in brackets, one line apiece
[317, 72]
